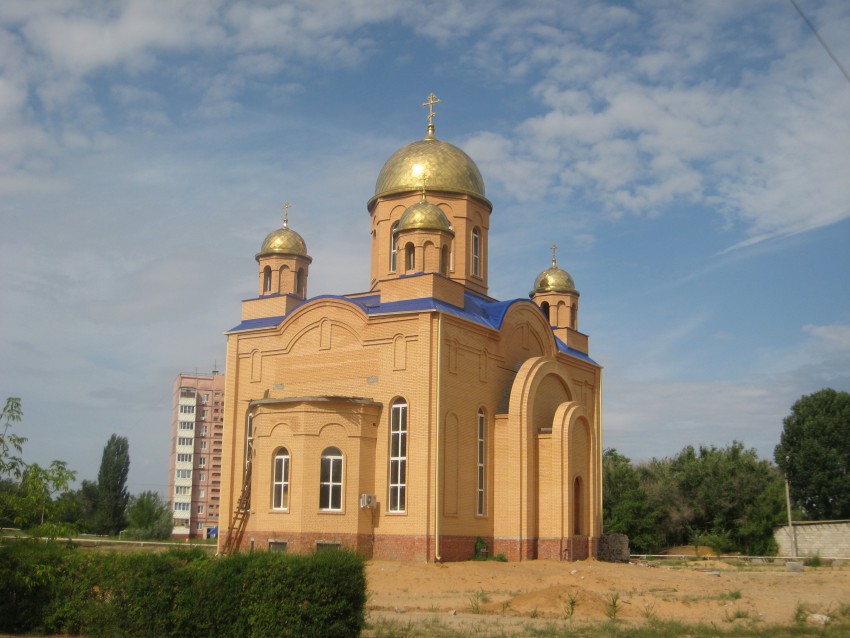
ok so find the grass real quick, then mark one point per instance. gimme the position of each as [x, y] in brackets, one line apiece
[652, 628]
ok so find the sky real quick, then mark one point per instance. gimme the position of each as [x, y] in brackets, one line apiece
[690, 160]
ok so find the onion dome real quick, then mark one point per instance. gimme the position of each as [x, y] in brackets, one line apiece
[554, 279]
[283, 241]
[424, 215]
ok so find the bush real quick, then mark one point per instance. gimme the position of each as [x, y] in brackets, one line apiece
[47, 588]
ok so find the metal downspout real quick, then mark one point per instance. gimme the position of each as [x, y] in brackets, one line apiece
[438, 558]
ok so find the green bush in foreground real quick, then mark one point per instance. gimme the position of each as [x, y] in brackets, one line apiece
[49, 589]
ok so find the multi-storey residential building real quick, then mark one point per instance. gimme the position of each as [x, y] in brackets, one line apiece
[195, 469]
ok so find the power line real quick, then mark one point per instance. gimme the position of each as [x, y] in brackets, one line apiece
[821, 40]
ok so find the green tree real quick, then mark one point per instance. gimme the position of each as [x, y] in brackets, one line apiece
[625, 505]
[79, 507]
[814, 453]
[26, 490]
[149, 517]
[726, 498]
[112, 494]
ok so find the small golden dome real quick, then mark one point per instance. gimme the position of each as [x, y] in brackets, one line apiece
[431, 163]
[283, 241]
[424, 215]
[554, 279]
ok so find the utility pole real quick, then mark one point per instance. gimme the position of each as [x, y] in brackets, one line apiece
[788, 504]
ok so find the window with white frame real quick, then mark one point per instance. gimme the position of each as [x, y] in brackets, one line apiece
[330, 482]
[280, 480]
[184, 458]
[184, 473]
[202, 477]
[398, 457]
[202, 461]
[181, 507]
[393, 248]
[187, 425]
[185, 440]
[476, 252]
[481, 479]
[182, 490]
[187, 409]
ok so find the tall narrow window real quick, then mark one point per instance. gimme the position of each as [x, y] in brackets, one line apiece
[481, 493]
[299, 282]
[393, 248]
[267, 279]
[280, 480]
[476, 252]
[249, 438]
[444, 260]
[330, 486]
[577, 506]
[409, 258]
[398, 457]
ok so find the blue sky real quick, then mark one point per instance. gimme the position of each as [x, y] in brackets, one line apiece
[691, 160]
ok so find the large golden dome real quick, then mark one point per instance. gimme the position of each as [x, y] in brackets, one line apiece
[432, 164]
[554, 279]
[425, 216]
[283, 241]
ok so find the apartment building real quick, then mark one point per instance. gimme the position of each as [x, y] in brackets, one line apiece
[195, 461]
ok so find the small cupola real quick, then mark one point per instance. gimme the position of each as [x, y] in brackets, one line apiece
[423, 238]
[283, 261]
[555, 292]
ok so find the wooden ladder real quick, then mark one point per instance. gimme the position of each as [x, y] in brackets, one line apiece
[240, 515]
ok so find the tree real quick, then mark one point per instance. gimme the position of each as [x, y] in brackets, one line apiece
[625, 505]
[149, 517]
[814, 453]
[112, 495]
[26, 490]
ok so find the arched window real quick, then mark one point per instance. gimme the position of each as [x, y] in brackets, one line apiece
[398, 456]
[267, 279]
[280, 480]
[409, 258]
[330, 485]
[444, 260]
[545, 308]
[476, 252]
[393, 248]
[299, 282]
[481, 478]
[577, 506]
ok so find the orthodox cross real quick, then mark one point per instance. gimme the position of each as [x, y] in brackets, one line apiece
[432, 100]
[286, 206]
[554, 260]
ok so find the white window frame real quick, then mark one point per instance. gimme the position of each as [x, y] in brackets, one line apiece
[331, 480]
[481, 467]
[280, 480]
[476, 252]
[397, 485]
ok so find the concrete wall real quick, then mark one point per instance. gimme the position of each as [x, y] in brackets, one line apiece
[827, 539]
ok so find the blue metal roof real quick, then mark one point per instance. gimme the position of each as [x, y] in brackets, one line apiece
[477, 309]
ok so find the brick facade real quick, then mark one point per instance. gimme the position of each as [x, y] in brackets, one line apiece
[501, 435]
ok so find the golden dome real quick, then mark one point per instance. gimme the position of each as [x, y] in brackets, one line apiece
[554, 279]
[283, 241]
[425, 216]
[429, 163]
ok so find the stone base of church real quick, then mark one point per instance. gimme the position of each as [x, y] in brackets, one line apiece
[422, 548]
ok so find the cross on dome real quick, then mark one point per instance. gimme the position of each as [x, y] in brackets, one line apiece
[554, 248]
[432, 100]
[286, 206]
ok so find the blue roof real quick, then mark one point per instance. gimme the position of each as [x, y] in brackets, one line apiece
[477, 309]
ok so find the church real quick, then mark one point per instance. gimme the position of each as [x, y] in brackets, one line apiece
[423, 419]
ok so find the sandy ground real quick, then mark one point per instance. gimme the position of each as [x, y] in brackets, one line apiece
[480, 594]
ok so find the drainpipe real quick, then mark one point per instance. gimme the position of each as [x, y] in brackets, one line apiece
[438, 558]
